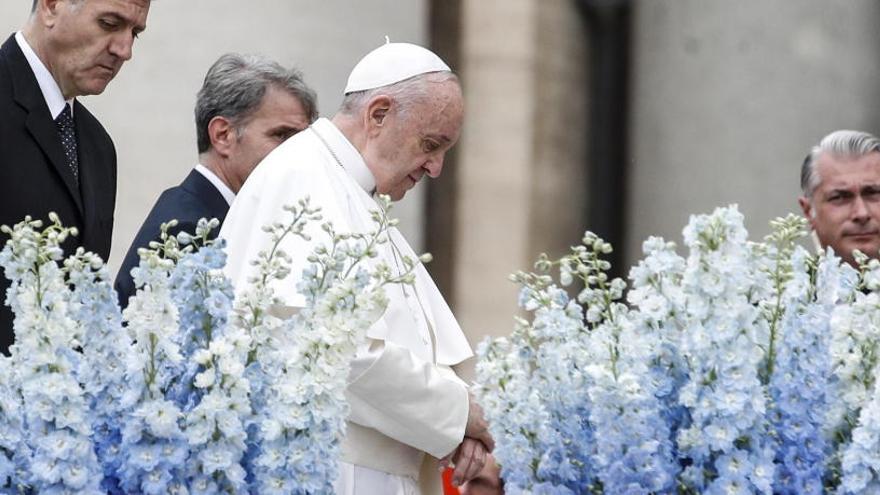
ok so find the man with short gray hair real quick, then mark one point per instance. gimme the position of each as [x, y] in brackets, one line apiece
[247, 106]
[840, 181]
[55, 156]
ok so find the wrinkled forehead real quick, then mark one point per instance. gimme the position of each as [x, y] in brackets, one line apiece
[449, 99]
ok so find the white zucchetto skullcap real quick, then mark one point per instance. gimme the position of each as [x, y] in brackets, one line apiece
[392, 63]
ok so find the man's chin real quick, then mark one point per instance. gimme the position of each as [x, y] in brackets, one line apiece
[868, 247]
[95, 86]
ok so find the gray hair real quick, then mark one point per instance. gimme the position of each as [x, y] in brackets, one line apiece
[842, 143]
[405, 93]
[234, 88]
[34, 5]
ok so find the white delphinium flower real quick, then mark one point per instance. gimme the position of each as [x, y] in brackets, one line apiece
[855, 348]
[57, 431]
[515, 410]
[850, 425]
[724, 396]
[12, 450]
[253, 308]
[860, 460]
[304, 360]
[659, 305]
[153, 447]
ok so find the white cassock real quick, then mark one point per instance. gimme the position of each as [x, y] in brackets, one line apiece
[405, 399]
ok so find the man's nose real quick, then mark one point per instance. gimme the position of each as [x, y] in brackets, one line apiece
[860, 212]
[434, 167]
[121, 45]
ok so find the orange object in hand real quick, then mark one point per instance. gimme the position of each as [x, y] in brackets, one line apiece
[448, 488]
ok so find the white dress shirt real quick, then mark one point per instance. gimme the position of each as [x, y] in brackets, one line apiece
[221, 186]
[51, 92]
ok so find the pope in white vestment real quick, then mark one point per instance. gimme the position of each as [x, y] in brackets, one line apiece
[405, 399]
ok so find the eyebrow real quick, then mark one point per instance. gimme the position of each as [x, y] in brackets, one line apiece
[439, 137]
[287, 128]
[137, 28]
[847, 190]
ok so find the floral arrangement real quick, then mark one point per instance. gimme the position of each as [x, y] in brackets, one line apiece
[190, 389]
[742, 367]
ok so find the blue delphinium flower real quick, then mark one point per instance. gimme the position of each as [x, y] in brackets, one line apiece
[802, 371]
[633, 438]
[634, 451]
[106, 351]
[565, 443]
[726, 445]
[211, 392]
[533, 389]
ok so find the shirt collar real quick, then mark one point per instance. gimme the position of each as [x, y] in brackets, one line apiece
[221, 186]
[48, 86]
[345, 152]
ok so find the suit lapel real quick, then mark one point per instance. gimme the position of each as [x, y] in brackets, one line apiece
[199, 186]
[39, 123]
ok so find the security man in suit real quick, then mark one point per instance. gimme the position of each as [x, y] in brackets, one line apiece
[247, 106]
[54, 154]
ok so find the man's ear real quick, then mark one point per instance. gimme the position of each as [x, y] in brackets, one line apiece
[806, 208]
[377, 111]
[223, 136]
[47, 11]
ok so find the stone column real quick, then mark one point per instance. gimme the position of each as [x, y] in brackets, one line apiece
[519, 180]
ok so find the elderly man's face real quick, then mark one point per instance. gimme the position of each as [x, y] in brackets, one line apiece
[845, 208]
[87, 41]
[416, 144]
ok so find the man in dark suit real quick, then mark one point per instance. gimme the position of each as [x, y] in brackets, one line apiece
[54, 155]
[247, 106]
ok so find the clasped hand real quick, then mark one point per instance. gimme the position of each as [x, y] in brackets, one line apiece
[471, 454]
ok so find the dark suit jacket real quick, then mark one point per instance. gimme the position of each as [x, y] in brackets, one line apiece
[193, 199]
[35, 178]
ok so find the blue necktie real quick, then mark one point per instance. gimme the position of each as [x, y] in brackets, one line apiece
[64, 121]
